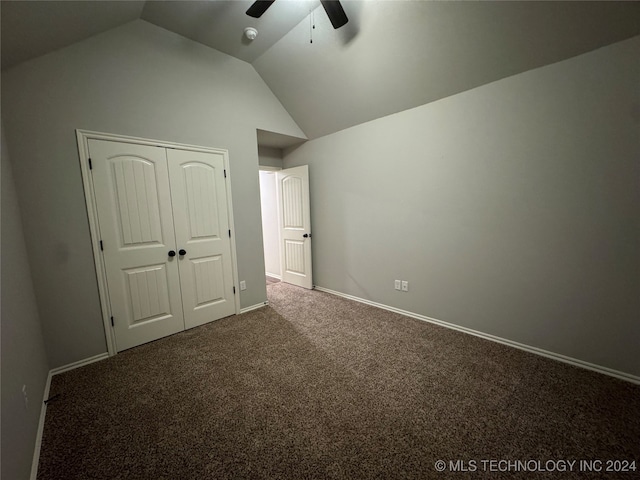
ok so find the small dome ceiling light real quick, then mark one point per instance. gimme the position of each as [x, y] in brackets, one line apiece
[251, 33]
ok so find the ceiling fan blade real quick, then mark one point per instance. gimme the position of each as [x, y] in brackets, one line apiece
[259, 7]
[335, 12]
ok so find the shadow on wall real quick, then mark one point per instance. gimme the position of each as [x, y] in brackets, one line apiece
[351, 30]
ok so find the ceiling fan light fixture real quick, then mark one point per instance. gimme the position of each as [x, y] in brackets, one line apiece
[334, 10]
[251, 33]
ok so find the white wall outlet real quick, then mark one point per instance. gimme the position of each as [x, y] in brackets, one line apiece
[26, 398]
[405, 286]
[397, 284]
[243, 285]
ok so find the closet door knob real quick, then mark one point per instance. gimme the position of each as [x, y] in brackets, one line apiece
[182, 252]
[172, 253]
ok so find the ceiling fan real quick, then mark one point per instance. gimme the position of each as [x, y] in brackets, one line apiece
[334, 10]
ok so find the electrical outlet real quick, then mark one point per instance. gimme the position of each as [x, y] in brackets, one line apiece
[405, 286]
[26, 398]
[397, 284]
[243, 285]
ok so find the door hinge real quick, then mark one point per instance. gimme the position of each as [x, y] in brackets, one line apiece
[112, 324]
[101, 246]
[234, 290]
[225, 173]
[90, 164]
[229, 233]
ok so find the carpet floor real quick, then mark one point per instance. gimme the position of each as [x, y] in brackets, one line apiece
[317, 386]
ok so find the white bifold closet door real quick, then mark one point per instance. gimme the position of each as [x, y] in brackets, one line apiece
[164, 226]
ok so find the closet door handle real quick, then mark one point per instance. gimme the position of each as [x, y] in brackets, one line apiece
[182, 252]
[172, 253]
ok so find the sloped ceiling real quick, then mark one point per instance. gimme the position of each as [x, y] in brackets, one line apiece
[221, 24]
[31, 29]
[391, 56]
[403, 54]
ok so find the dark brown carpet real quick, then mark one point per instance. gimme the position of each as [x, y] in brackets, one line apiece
[315, 386]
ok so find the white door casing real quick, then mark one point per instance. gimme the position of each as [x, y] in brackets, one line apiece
[294, 219]
[131, 185]
[198, 191]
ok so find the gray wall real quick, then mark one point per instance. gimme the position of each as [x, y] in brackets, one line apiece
[24, 360]
[269, 156]
[511, 209]
[137, 80]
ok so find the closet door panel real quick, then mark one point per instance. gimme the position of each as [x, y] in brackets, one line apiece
[199, 198]
[133, 199]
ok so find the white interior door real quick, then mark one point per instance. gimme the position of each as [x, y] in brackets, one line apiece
[203, 235]
[133, 199]
[294, 221]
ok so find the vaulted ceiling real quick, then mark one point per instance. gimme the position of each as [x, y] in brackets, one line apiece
[391, 56]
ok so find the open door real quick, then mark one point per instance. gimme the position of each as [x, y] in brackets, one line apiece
[294, 220]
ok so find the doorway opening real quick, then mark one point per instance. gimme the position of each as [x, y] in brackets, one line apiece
[287, 223]
[286, 217]
[270, 229]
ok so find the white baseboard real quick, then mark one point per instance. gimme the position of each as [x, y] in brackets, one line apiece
[254, 307]
[79, 363]
[273, 275]
[43, 413]
[43, 408]
[521, 346]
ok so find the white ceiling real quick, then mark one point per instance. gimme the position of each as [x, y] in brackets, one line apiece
[391, 56]
[30, 29]
[33, 28]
